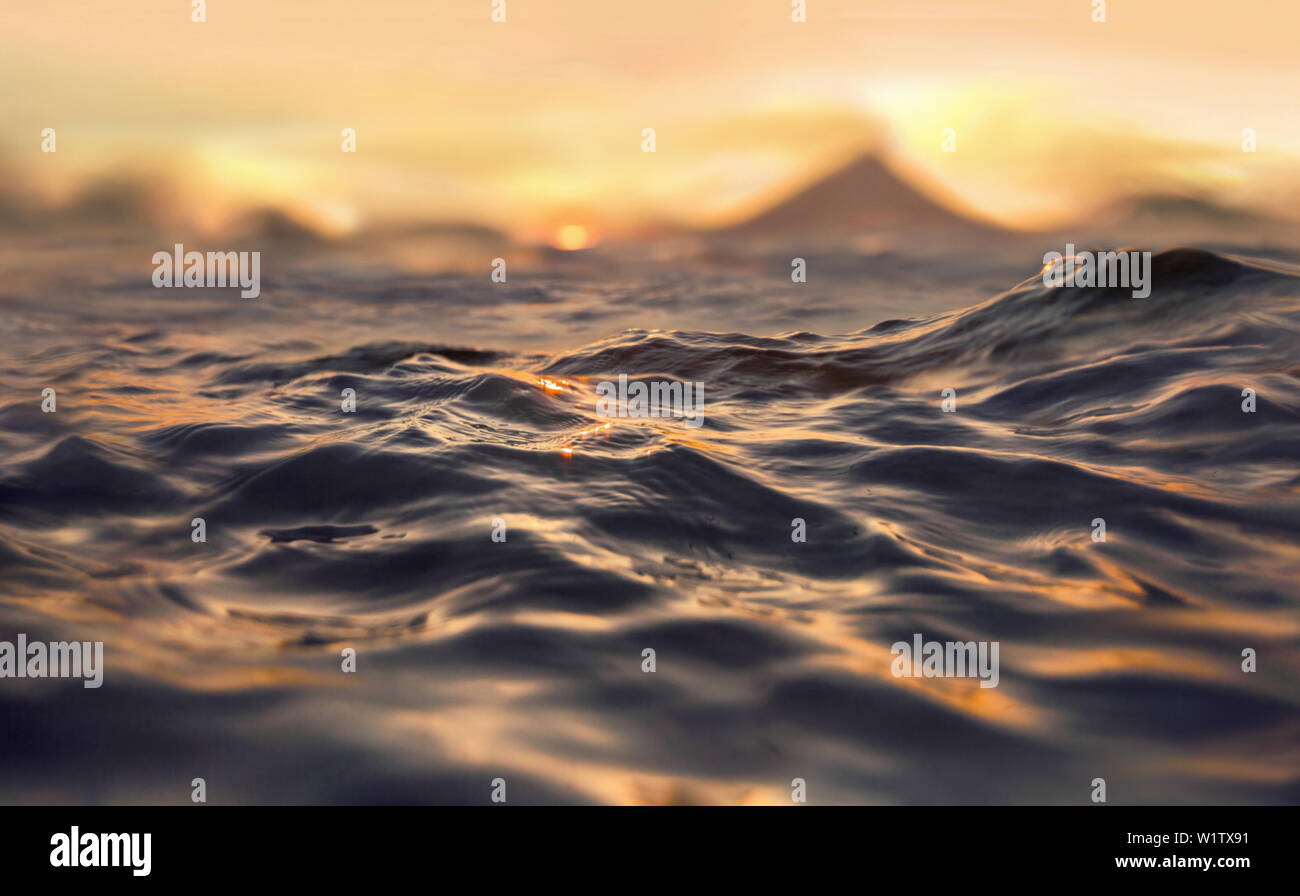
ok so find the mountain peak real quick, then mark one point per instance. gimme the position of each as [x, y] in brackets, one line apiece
[862, 197]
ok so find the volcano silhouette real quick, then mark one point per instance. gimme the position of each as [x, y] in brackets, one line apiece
[863, 197]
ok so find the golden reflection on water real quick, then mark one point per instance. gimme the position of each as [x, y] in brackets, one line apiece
[184, 616]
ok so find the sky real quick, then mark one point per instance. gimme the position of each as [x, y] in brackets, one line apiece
[537, 122]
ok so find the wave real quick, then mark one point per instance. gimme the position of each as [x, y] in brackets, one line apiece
[375, 530]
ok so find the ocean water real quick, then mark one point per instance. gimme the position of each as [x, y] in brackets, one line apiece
[522, 659]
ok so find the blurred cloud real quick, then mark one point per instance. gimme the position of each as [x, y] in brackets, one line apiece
[460, 118]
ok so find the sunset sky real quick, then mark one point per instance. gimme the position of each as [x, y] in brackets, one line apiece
[539, 119]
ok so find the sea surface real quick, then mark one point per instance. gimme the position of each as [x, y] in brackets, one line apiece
[522, 659]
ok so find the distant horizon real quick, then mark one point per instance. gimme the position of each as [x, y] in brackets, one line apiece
[536, 123]
[118, 200]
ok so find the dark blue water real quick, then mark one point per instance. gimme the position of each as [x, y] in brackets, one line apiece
[522, 658]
